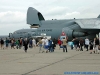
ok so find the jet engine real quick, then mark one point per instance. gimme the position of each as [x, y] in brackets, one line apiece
[71, 33]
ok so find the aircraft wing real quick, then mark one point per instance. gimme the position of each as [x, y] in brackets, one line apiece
[89, 23]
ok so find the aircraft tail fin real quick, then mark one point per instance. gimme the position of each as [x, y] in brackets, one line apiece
[98, 16]
[34, 17]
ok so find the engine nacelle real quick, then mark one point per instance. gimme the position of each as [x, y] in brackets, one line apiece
[71, 33]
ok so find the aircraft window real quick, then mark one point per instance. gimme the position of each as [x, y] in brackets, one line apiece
[46, 29]
[32, 31]
[17, 32]
[20, 32]
[50, 29]
[24, 32]
[39, 30]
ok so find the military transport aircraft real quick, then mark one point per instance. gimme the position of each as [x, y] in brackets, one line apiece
[27, 33]
[80, 28]
[71, 27]
[23, 33]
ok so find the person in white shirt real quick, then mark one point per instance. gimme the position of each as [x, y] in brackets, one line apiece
[46, 44]
[34, 42]
[43, 44]
[86, 43]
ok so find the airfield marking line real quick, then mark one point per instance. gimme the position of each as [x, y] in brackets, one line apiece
[13, 53]
[52, 63]
[9, 54]
[18, 58]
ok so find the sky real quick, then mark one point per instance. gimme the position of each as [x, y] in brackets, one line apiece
[13, 12]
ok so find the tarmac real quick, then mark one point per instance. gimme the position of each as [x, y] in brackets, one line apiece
[17, 62]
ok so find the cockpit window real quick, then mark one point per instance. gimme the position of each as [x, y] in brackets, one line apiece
[19, 32]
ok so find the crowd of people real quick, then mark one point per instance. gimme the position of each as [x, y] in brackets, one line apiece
[13, 43]
[48, 45]
[88, 44]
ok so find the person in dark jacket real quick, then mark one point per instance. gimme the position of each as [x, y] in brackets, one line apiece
[81, 44]
[50, 45]
[91, 46]
[25, 44]
[96, 45]
[77, 44]
[54, 43]
[2, 43]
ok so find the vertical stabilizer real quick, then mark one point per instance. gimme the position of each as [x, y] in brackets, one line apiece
[34, 17]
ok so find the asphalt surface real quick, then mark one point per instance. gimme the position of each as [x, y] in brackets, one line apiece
[17, 62]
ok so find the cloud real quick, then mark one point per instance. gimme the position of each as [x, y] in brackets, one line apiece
[5, 29]
[12, 17]
[73, 13]
[11, 21]
[13, 12]
[57, 11]
[89, 12]
[67, 15]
